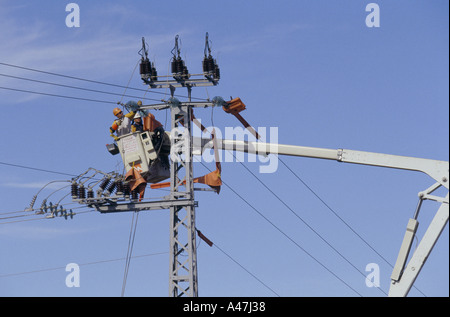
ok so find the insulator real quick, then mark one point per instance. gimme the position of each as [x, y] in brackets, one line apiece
[174, 66]
[119, 187]
[153, 73]
[134, 194]
[180, 66]
[30, 208]
[145, 67]
[126, 189]
[211, 64]
[205, 65]
[216, 72]
[90, 193]
[185, 73]
[81, 192]
[74, 190]
[44, 207]
[62, 210]
[104, 183]
[112, 187]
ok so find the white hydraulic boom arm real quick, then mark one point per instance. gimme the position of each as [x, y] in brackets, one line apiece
[402, 277]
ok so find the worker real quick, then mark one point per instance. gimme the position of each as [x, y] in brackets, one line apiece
[137, 125]
[122, 125]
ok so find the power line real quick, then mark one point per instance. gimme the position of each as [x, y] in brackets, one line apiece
[334, 212]
[37, 169]
[56, 95]
[342, 220]
[270, 222]
[82, 264]
[130, 242]
[42, 218]
[134, 222]
[246, 270]
[90, 80]
[304, 222]
[211, 244]
[50, 171]
[2, 213]
[286, 236]
[75, 87]
[112, 102]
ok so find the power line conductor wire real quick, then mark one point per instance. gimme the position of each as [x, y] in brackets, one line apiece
[134, 222]
[286, 235]
[211, 244]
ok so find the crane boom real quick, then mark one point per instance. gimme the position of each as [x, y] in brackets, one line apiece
[402, 278]
[438, 170]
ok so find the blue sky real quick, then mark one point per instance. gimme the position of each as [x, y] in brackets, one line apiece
[313, 69]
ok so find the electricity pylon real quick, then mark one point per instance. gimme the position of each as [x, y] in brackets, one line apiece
[183, 253]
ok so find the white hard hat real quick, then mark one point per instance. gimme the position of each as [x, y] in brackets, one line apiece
[137, 116]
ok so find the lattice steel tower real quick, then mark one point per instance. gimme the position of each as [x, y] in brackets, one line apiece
[183, 253]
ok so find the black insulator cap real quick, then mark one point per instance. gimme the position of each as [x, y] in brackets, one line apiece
[81, 192]
[74, 190]
[153, 73]
[126, 189]
[104, 183]
[112, 187]
[216, 72]
[134, 194]
[174, 66]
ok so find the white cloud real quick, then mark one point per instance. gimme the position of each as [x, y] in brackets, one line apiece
[102, 52]
[37, 185]
[95, 52]
[102, 49]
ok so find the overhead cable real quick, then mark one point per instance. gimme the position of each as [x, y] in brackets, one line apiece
[305, 223]
[36, 169]
[55, 95]
[286, 235]
[246, 270]
[134, 222]
[342, 220]
[334, 212]
[82, 264]
[90, 80]
[75, 87]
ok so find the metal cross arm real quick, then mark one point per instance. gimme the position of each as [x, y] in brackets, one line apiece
[150, 205]
[175, 102]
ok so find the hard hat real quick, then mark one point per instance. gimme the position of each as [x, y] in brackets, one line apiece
[116, 111]
[137, 116]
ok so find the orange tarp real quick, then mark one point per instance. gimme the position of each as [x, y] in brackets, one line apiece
[136, 181]
[150, 123]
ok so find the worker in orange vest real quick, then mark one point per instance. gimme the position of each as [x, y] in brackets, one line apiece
[122, 125]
